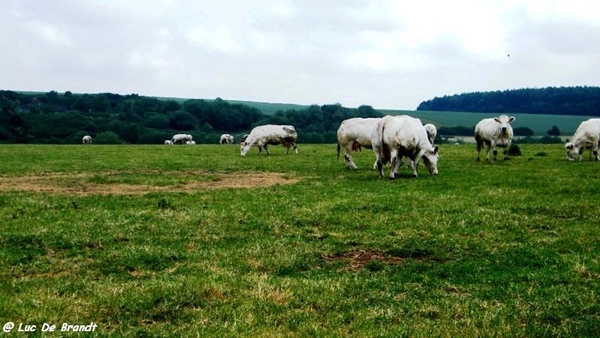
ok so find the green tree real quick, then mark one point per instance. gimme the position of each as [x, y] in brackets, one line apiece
[554, 131]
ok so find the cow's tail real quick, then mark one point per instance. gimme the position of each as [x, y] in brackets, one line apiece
[338, 151]
[384, 148]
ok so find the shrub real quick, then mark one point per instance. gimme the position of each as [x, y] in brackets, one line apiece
[514, 150]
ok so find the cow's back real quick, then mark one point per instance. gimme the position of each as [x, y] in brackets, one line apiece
[357, 129]
[587, 131]
[271, 132]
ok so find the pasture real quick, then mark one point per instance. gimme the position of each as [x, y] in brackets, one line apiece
[197, 240]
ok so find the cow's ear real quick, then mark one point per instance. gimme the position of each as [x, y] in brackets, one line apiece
[511, 119]
[435, 150]
[569, 145]
[497, 120]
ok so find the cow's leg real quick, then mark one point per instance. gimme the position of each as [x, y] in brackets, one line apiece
[287, 148]
[295, 148]
[412, 165]
[378, 162]
[267, 149]
[495, 149]
[505, 152]
[348, 157]
[479, 146]
[393, 163]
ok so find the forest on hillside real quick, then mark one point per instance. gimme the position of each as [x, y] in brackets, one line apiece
[550, 100]
[63, 118]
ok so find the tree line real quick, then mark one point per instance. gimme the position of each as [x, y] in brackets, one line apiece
[109, 118]
[580, 100]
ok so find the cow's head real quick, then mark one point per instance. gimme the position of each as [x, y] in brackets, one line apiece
[244, 148]
[573, 152]
[430, 158]
[505, 122]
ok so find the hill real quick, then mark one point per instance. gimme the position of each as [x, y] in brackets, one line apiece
[52, 117]
[550, 100]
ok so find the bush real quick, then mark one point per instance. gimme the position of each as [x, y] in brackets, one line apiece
[514, 150]
[107, 137]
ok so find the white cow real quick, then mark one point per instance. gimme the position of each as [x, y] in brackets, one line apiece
[494, 132]
[226, 139]
[87, 139]
[431, 132]
[587, 135]
[262, 136]
[402, 135]
[168, 142]
[181, 138]
[431, 135]
[353, 134]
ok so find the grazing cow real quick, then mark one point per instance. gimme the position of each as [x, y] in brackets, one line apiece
[431, 135]
[181, 138]
[352, 135]
[87, 139]
[262, 136]
[398, 136]
[494, 132]
[226, 139]
[168, 142]
[190, 143]
[587, 135]
[431, 132]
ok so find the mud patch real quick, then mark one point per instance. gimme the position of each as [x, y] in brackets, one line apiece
[358, 260]
[130, 183]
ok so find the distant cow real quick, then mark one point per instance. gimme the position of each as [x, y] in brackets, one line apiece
[226, 139]
[168, 142]
[494, 132]
[181, 138]
[352, 135]
[87, 139]
[399, 136]
[270, 134]
[587, 135]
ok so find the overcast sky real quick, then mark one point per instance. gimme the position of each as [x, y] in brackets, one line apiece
[387, 54]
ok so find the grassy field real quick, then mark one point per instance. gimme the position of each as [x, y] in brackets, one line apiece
[197, 240]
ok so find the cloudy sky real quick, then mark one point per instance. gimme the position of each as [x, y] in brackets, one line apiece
[384, 53]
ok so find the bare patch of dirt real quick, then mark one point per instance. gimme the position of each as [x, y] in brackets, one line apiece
[84, 183]
[358, 260]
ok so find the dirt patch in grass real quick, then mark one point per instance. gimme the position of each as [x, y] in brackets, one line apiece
[115, 183]
[358, 260]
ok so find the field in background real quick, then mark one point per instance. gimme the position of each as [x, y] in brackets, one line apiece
[197, 240]
[539, 123]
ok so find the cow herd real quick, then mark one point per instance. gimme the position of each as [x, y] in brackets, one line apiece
[393, 138]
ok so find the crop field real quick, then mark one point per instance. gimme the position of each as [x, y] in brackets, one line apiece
[199, 241]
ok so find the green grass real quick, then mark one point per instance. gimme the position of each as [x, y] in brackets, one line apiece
[483, 249]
